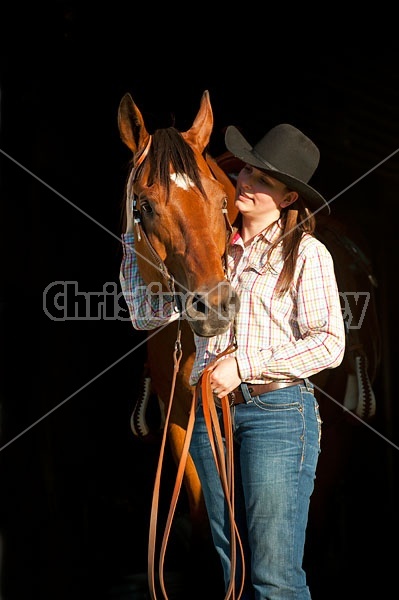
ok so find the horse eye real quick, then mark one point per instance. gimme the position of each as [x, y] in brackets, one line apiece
[146, 207]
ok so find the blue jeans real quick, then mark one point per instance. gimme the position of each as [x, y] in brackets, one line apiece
[277, 444]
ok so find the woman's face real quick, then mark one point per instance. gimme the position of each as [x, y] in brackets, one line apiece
[258, 193]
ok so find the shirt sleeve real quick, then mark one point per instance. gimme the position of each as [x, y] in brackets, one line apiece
[149, 307]
[321, 341]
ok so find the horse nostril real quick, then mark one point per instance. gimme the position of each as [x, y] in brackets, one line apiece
[232, 303]
[199, 304]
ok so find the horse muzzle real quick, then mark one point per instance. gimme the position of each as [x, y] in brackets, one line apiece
[212, 312]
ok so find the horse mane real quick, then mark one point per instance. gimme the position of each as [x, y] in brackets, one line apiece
[168, 148]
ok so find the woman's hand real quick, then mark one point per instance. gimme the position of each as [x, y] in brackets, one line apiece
[225, 377]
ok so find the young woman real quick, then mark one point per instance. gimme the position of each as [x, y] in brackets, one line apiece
[289, 328]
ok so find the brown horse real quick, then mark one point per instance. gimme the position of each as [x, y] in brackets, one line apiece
[184, 235]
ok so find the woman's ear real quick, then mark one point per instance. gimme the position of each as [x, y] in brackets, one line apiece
[289, 198]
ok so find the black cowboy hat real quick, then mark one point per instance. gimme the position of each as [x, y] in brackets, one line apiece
[286, 154]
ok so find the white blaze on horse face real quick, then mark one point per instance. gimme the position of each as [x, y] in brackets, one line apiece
[182, 180]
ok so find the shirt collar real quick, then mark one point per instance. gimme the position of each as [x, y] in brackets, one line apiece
[269, 235]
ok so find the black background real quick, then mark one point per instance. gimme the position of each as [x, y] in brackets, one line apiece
[76, 485]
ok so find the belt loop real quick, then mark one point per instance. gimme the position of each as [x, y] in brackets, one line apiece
[245, 392]
[309, 385]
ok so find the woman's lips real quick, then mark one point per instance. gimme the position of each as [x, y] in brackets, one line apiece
[242, 196]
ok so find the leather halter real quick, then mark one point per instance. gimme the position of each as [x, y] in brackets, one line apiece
[153, 257]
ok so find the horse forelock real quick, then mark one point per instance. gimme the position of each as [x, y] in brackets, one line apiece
[169, 149]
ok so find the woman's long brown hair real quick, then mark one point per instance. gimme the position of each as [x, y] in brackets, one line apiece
[295, 220]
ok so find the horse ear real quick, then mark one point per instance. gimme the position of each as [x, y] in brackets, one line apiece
[131, 124]
[199, 134]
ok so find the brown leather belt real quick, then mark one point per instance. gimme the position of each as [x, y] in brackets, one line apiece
[257, 389]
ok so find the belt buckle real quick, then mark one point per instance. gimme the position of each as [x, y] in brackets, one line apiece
[231, 396]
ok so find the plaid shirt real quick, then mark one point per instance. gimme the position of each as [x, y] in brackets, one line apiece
[279, 337]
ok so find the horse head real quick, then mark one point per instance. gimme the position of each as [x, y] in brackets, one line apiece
[180, 209]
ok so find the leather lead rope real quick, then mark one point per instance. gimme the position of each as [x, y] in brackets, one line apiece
[155, 497]
[224, 460]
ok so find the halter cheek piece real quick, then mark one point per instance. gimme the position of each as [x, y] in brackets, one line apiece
[139, 231]
[132, 178]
